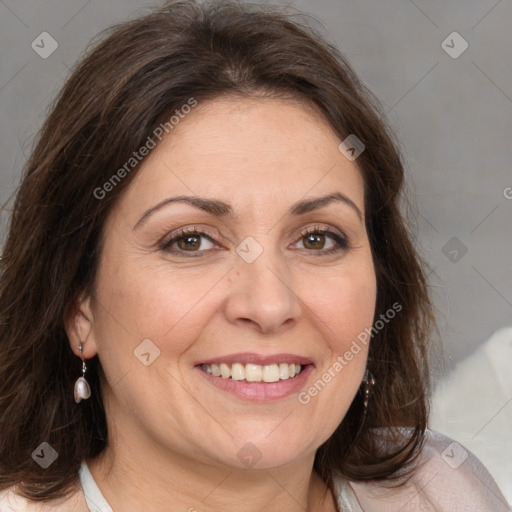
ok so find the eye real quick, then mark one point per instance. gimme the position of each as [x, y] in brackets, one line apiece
[316, 239]
[188, 240]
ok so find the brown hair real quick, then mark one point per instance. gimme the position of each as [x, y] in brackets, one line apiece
[127, 84]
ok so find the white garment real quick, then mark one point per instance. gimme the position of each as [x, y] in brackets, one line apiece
[95, 500]
[450, 479]
[474, 406]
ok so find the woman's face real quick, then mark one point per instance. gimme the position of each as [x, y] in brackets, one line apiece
[254, 282]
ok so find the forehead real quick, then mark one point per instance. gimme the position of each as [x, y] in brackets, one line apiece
[259, 151]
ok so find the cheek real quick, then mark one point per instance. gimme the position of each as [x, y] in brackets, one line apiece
[340, 306]
[344, 306]
[138, 301]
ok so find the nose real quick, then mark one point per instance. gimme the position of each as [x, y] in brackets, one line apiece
[262, 295]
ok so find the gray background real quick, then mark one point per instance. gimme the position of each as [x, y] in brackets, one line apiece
[453, 117]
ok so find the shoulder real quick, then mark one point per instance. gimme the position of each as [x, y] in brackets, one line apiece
[11, 501]
[448, 478]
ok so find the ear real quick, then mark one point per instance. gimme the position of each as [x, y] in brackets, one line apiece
[79, 325]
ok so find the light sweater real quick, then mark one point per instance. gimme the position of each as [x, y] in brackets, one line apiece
[450, 480]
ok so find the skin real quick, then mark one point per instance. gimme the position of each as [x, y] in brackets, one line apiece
[174, 437]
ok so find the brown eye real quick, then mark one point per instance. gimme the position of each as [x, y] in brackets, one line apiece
[314, 241]
[190, 241]
[322, 241]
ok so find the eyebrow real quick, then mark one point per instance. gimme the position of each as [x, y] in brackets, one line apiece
[219, 208]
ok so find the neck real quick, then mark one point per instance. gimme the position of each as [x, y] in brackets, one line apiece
[135, 479]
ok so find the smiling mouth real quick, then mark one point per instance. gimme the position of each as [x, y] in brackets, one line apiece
[254, 372]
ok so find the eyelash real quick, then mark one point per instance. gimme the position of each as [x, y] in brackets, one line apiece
[342, 242]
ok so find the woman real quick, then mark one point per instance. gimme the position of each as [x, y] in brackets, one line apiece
[209, 299]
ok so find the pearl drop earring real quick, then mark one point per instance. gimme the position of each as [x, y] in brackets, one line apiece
[82, 388]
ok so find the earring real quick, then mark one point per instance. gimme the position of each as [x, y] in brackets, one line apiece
[82, 388]
[369, 382]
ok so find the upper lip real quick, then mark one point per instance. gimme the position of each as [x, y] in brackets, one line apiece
[261, 359]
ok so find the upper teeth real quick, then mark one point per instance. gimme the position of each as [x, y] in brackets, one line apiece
[253, 372]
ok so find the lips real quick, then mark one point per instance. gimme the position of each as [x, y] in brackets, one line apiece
[260, 359]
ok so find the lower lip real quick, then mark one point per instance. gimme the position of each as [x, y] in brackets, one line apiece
[260, 391]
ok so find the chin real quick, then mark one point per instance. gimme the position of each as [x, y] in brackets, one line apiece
[270, 449]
